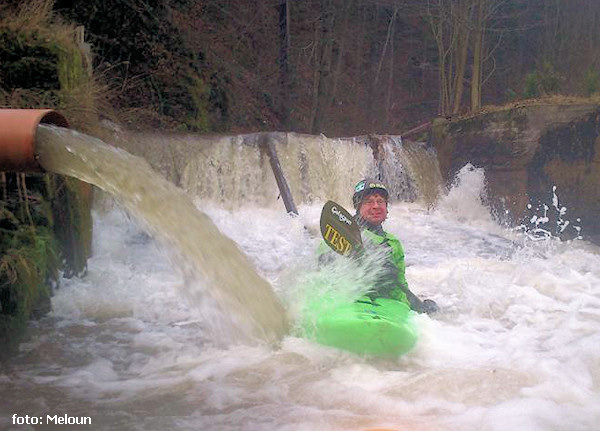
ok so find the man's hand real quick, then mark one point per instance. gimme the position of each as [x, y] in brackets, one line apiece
[429, 306]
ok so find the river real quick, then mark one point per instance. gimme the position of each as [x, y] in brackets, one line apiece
[516, 345]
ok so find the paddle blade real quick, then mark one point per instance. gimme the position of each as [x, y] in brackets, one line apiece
[339, 229]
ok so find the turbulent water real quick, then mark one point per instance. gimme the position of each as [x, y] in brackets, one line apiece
[201, 252]
[516, 345]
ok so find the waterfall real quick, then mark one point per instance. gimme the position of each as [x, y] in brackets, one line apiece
[234, 170]
[412, 169]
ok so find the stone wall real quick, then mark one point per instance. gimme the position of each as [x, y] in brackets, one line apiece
[526, 151]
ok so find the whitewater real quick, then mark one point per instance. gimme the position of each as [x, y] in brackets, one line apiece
[516, 345]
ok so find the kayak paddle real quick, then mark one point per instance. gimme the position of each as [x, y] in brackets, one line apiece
[339, 229]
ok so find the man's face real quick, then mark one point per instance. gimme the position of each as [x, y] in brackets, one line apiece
[373, 209]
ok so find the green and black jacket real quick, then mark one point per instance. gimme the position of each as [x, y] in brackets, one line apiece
[392, 281]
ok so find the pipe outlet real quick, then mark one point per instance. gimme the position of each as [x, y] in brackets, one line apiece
[18, 128]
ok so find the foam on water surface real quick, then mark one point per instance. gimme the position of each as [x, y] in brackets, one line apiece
[516, 345]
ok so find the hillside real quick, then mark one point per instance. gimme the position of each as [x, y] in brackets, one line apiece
[338, 67]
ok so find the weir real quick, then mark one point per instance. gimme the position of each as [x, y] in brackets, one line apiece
[235, 170]
[257, 168]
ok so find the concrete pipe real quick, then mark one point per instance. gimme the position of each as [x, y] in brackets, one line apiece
[17, 137]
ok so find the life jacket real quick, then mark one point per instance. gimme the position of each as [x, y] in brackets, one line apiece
[392, 281]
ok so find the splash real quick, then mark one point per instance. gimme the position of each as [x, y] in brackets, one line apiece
[466, 200]
[248, 307]
[549, 223]
[515, 345]
[320, 288]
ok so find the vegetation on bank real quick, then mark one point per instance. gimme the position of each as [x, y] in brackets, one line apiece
[338, 67]
[29, 254]
[45, 219]
[45, 227]
[43, 65]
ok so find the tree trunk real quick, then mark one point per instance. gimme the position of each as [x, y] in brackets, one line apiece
[341, 48]
[284, 66]
[477, 57]
[358, 74]
[316, 75]
[385, 45]
[323, 81]
[388, 96]
[436, 15]
[462, 48]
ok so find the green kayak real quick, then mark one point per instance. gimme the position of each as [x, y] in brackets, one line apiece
[382, 327]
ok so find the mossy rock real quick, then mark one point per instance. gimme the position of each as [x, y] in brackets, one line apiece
[27, 63]
[45, 227]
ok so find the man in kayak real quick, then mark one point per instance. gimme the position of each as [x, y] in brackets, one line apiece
[370, 200]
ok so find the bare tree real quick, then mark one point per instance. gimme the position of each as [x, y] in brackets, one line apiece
[479, 31]
[322, 82]
[463, 21]
[283, 60]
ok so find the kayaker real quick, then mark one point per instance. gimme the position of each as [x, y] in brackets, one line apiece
[370, 200]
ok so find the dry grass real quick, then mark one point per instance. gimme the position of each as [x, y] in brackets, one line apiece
[36, 18]
[28, 98]
[82, 100]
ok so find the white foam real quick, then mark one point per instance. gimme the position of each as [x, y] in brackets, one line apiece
[514, 347]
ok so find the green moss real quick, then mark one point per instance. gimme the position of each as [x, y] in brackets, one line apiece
[28, 269]
[45, 220]
[591, 82]
[71, 209]
[542, 82]
[42, 66]
[45, 227]
[199, 94]
[71, 71]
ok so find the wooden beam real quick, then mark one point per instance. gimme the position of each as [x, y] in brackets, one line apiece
[266, 141]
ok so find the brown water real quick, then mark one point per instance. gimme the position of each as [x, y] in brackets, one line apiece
[515, 346]
[203, 253]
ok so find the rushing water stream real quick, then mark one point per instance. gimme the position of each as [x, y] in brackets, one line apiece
[169, 215]
[132, 345]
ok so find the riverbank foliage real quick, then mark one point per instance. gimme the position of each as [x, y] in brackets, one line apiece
[45, 227]
[339, 67]
[44, 65]
[45, 219]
